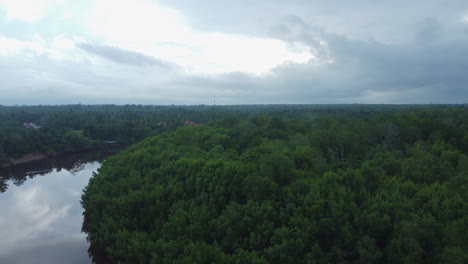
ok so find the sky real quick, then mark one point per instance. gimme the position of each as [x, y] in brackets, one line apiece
[237, 51]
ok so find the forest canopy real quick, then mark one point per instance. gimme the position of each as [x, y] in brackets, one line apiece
[385, 187]
[67, 128]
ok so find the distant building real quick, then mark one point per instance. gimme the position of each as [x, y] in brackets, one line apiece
[31, 125]
[190, 123]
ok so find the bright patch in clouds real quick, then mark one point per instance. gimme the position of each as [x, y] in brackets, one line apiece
[220, 53]
[465, 19]
[58, 48]
[162, 33]
[27, 10]
[10, 46]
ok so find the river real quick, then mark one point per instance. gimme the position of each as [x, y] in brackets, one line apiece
[40, 211]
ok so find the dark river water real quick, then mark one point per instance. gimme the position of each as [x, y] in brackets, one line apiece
[40, 211]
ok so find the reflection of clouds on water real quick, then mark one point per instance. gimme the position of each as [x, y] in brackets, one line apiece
[31, 174]
[71, 163]
[19, 181]
[75, 193]
[28, 217]
[3, 185]
[43, 216]
[79, 166]
[69, 251]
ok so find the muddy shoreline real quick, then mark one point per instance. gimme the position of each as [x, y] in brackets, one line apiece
[31, 157]
[24, 159]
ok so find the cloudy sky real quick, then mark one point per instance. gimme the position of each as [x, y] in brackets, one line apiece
[239, 51]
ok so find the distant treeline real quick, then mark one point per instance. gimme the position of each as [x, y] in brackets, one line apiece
[289, 184]
[51, 129]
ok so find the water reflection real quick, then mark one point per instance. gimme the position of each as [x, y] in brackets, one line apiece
[41, 215]
[73, 163]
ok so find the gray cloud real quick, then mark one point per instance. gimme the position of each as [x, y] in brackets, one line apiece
[424, 70]
[398, 52]
[361, 19]
[429, 30]
[120, 55]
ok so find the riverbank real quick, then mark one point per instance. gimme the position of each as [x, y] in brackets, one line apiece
[31, 157]
[24, 159]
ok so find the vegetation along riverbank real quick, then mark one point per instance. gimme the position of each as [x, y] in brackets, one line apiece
[356, 187]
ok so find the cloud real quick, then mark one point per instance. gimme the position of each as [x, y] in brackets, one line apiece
[423, 70]
[161, 32]
[119, 55]
[186, 52]
[10, 46]
[464, 19]
[429, 30]
[386, 22]
[27, 10]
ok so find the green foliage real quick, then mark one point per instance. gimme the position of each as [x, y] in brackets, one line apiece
[80, 127]
[75, 140]
[387, 188]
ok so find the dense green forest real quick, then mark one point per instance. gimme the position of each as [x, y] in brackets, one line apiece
[55, 129]
[297, 184]
[80, 127]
